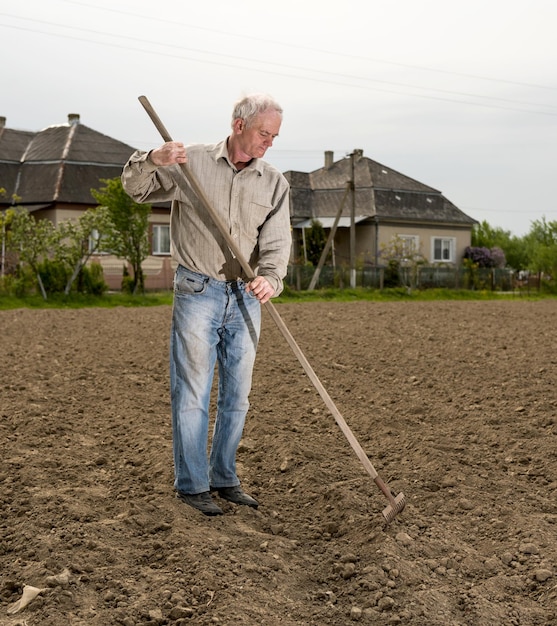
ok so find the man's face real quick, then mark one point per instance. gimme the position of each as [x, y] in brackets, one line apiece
[255, 139]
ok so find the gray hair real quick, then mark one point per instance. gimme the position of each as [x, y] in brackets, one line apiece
[249, 107]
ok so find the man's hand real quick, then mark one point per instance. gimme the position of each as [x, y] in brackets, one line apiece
[168, 154]
[261, 289]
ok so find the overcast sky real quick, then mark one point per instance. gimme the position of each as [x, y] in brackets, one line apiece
[461, 96]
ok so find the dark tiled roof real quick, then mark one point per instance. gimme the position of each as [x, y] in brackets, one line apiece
[380, 191]
[419, 207]
[13, 144]
[59, 164]
[12, 147]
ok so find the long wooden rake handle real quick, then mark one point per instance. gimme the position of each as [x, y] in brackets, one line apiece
[395, 504]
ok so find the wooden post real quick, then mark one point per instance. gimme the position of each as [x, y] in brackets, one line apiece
[353, 225]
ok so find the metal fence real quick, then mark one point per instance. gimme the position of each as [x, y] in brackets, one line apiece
[423, 277]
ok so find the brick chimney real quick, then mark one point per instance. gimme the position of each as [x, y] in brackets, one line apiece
[73, 118]
[329, 158]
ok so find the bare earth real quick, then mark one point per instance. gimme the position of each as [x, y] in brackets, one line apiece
[454, 403]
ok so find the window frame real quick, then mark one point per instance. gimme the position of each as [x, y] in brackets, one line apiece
[451, 241]
[413, 248]
[156, 230]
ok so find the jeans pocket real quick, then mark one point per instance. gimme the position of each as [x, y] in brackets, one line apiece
[189, 284]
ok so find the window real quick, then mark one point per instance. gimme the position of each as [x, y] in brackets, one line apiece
[161, 239]
[410, 246]
[94, 242]
[443, 249]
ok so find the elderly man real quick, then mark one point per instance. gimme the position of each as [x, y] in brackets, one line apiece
[217, 312]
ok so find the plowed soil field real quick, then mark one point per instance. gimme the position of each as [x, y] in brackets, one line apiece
[454, 403]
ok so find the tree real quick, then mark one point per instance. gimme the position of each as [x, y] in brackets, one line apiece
[5, 220]
[517, 253]
[33, 240]
[78, 243]
[485, 236]
[514, 248]
[315, 241]
[3, 223]
[403, 259]
[542, 241]
[125, 230]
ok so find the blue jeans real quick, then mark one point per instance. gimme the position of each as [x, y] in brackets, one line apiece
[212, 321]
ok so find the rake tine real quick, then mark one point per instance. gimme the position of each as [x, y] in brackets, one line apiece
[395, 506]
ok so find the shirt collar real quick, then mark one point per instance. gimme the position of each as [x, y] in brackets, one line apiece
[220, 151]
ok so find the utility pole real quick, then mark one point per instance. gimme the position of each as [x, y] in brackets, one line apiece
[353, 224]
[330, 244]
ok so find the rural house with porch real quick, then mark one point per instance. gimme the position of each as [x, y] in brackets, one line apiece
[382, 204]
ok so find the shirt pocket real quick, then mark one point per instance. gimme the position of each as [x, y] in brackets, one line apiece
[253, 219]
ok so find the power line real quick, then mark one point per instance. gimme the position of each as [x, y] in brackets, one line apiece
[281, 65]
[521, 211]
[311, 49]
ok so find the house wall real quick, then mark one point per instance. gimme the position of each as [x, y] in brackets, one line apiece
[159, 269]
[368, 247]
[57, 214]
[365, 245]
[461, 237]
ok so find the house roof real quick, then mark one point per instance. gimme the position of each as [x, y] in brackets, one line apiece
[12, 147]
[60, 163]
[329, 222]
[380, 192]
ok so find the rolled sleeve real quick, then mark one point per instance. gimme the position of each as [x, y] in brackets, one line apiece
[145, 182]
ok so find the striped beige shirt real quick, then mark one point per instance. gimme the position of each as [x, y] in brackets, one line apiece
[253, 203]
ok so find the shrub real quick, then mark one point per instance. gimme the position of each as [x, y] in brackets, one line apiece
[392, 274]
[128, 282]
[54, 276]
[485, 257]
[92, 280]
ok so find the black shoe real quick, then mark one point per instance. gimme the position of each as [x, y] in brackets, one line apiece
[202, 502]
[236, 495]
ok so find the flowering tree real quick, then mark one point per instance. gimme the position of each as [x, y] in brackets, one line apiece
[77, 242]
[34, 241]
[403, 258]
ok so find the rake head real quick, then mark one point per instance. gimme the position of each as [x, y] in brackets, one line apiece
[394, 508]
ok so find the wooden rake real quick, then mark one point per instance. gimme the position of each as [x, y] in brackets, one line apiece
[396, 505]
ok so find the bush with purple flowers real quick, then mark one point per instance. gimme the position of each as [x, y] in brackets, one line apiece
[485, 257]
